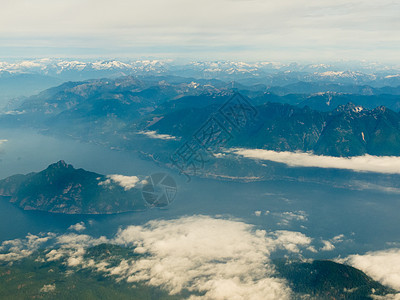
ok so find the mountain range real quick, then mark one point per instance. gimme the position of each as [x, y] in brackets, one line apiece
[355, 72]
[27, 77]
[348, 130]
[117, 110]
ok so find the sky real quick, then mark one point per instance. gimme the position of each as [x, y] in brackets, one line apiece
[250, 30]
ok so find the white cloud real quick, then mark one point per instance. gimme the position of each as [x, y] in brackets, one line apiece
[155, 135]
[20, 248]
[288, 216]
[328, 246]
[216, 258]
[73, 240]
[127, 182]
[78, 226]
[14, 112]
[68, 246]
[386, 297]
[382, 266]
[338, 238]
[288, 240]
[224, 259]
[312, 249]
[362, 185]
[285, 218]
[72, 247]
[1, 143]
[366, 163]
[54, 254]
[48, 288]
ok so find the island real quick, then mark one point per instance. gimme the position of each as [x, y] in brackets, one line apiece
[61, 188]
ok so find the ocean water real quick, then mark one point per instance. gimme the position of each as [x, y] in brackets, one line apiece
[367, 219]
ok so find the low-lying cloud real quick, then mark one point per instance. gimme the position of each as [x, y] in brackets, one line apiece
[17, 249]
[285, 218]
[365, 163]
[47, 288]
[78, 226]
[1, 143]
[155, 135]
[127, 182]
[328, 246]
[288, 216]
[382, 266]
[363, 185]
[221, 258]
[211, 257]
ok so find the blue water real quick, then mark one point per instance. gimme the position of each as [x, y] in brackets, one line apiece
[369, 220]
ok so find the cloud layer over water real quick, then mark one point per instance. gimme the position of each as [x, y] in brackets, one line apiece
[366, 163]
[155, 135]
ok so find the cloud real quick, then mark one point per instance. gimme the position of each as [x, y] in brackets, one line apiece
[328, 246]
[73, 240]
[48, 288]
[366, 163]
[382, 266]
[210, 257]
[21, 248]
[288, 216]
[363, 185]
[14, 112]
[288, 240]
[155, 135]
[1, 143]
[386, 297]
[127, 182]
[221, 258]
[285, 218]
[217, 258]
[338, 238]
[72, 248]
[78, 226]
[69, 245]
[289, 29]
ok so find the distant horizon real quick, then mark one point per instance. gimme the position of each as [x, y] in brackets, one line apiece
[187, 60]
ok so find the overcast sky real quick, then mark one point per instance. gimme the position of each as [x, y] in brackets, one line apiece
[281, 30]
